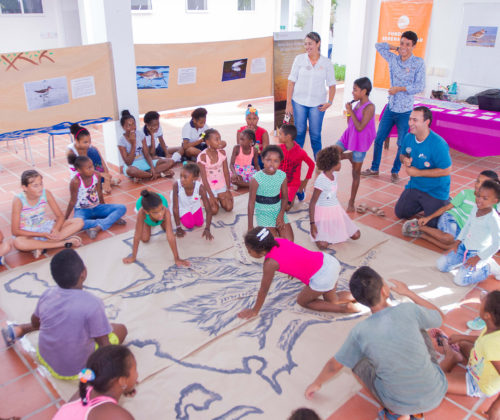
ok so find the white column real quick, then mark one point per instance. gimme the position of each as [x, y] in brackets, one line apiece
[321, 22]
[355, 38]
[111, 21]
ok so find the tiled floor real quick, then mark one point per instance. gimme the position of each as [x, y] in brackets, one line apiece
[25, 392]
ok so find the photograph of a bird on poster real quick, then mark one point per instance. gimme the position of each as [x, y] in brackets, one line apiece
[482, 36]
[46, 93]
[234, 69]
[152, 77]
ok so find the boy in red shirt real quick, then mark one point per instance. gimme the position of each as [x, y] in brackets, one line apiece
[294, 155]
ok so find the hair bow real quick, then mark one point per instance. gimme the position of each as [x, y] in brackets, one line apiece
[262, 234]
[86, 375]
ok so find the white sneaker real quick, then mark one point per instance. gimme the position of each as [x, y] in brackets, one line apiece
[176, 157]
[494, 269]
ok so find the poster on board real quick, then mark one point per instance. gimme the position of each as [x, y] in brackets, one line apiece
[186, 76]
[481, 36]
[234, 69]
[46, 93]
[152, 77]
[83, 87]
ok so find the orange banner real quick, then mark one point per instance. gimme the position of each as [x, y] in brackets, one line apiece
[396, 17]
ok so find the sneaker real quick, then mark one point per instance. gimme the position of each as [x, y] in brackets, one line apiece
[37, 253]
[176, 157]
[410, 228]
[301, 196]
[121, 222]
[92, 233]
[494, 269]
[394, 177]
[369, 172]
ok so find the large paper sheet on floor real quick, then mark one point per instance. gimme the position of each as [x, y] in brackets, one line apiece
[196, 359]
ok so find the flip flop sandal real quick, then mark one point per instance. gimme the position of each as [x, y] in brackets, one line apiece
[440, 337]
[411, 228]
[115, 181]
[361, 208]
[476, 324]
[70, 244]
[377, 211]
[9, 335]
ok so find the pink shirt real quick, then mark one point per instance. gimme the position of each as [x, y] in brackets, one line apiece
[359, 141]
[75, 410]
[215, 171]
[242, 159]
[295, 260]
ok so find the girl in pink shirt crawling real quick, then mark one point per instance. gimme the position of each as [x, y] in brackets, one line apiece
[318, 271]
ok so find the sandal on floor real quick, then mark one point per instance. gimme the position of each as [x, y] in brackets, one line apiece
[115, 181]
[9, 335]
[369, 172]
[361, 208]
[440, 337]
[167, 174]
[71, 244]
[411, 228]
[377, 211]
[476, 324]
[121, 222]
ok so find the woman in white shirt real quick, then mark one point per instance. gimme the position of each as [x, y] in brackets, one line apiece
[311, 74]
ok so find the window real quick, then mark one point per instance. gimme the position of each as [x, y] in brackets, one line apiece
[246, 4]
[194, 5]
[141, 5]
[9, 7]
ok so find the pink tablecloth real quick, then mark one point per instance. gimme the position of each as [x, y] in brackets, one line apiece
[471, 131]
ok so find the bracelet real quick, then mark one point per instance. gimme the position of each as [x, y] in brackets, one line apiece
[313, 223]
[330, 102]
[347, 115]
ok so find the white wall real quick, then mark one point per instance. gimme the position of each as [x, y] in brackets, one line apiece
[169, 22]
[442, 45]
[58, 26]
[340, 32]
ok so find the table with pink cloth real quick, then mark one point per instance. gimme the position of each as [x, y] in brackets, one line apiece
[467, 129]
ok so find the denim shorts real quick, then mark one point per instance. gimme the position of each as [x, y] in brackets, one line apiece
[141, 164]
[356, 156]
[448, 224]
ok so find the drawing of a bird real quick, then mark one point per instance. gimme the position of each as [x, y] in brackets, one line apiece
[478, 34]
[151, 74]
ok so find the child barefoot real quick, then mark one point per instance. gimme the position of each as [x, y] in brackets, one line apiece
[319, 272]
[478, 241]
[268, 195]
[71, 321]
[452, 217]
[82, 146]
[244, 162]
[359, 134]
[87, 200]
[154, 137]
[186, 198]
[152, 210]
[109, 373]
[261, 135]
[482, 377]
[215, 172]
[134, 150]
[294, 155]
[4, 247]
[33, 229]
[330, 224]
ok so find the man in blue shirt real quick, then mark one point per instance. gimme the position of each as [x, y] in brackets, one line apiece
[389, 351]
[407, 78]
[426, 159]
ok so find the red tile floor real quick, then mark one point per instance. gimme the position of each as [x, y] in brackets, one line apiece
[26, 393]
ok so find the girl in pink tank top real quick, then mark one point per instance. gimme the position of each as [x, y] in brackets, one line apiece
[215, 172]
[318, 271]
[111, 372]
[244, 162]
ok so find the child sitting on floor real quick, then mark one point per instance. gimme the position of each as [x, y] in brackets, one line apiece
[261, 135]
[82, 146]
[134, 150]
[215, 172]
[318, 271]
[268, 195]
[482, 375]
[478, 241]
[87, 200]
[244, 162]
[71, 321]
[389, 351]
[360, 132]
[31, 226]
[452, 217]
[152, 210]
[293, 156]
[154, 137]
[186, 197]
[109, 373]
[330, 224]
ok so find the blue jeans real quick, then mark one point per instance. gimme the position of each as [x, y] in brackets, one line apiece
[303, 113]
[103, 215]
[389, 119]
[465, 275]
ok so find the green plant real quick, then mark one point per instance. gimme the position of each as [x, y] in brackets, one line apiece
[339, 71]
[303, 16]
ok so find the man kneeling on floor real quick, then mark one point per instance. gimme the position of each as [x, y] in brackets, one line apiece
[390, 352]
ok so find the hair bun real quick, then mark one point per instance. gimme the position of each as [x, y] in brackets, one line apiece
[249, 106]
[144, 193]
[126, 113]
[73, 128]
